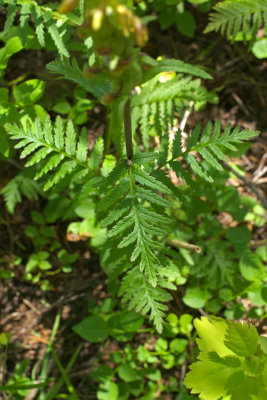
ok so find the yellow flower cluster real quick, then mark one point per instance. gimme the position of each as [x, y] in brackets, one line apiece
[101, 14]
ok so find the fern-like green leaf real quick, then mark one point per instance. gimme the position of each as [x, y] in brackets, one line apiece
[154, 91]
[233, 16]
[22, 184]
[97, 152]
[97, 85]
[137, 226]
[145, 179]
[82, 148]
[24, 20]
[143, 158]
[210, 144]
[68, 151]
[175, 66]
[42, 17]
[154, 106]
[11, 13]
[55, 34]
[143, 298]
[70, 140]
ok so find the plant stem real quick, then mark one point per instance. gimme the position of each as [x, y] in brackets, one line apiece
[128, 129]
[107, 142]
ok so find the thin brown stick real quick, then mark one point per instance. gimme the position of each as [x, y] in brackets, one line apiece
[184, 245]
[128, 130]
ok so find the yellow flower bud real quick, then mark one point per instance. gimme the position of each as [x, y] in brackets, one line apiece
[97, 19]
[67, 6]
[141, 34]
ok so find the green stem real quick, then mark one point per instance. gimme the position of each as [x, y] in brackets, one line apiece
[128, 130]
[108, 136]
[65, 377]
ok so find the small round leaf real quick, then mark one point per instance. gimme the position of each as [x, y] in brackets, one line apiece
[94, 329]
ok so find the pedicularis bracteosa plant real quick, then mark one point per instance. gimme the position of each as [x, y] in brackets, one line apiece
[127, 182]
[141, 94]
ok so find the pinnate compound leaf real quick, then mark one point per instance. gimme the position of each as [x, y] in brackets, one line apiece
[143, 298]
[17, 186]
[142, 230]
[45, 138]
[231, 17]
[209, 144]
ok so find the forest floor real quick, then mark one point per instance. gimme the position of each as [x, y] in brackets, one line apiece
[28, 313]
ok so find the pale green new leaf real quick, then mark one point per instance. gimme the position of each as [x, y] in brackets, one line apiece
[231, 364]
[208, 378]
[242, 339]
